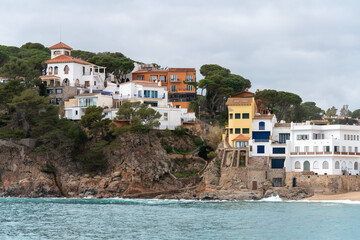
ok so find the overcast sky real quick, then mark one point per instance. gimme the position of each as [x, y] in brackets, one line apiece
[311, 48]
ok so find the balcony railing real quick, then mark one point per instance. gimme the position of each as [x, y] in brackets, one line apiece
[325, 153]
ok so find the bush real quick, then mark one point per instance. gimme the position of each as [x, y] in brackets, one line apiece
[94, 160]
[211, 155]
[168, 149]
[179, 131]
[12, 134]
[198, 141]
[204, 150]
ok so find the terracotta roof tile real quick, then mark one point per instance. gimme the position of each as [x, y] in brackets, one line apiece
[241, 137]
[49, 76]
[67, 59]
[60, 45]
[264, 116]
[239, 101]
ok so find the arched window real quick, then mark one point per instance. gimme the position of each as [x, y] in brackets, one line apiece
[350, 165]
[325, 165]
[66, 82]
[50, 70]
[297, 165]
[261, 125]
[56, 70]
[356, 166]
[77, 82]
[343, 165]
[306, 166]
[337, 165]
[66, 69]
[316, 165]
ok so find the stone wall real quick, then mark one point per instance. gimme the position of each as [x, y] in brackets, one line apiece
[324, 184]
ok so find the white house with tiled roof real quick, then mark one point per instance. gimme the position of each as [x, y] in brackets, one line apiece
[65, 70]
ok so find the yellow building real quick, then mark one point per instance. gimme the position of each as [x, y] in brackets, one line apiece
[242, 108]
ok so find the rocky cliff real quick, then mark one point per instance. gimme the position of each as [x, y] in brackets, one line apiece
[137, 166]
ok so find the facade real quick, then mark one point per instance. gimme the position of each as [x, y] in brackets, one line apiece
[324, 149]
[70, 74]
[180, 93]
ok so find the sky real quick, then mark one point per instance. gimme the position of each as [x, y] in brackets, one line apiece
[309, 47]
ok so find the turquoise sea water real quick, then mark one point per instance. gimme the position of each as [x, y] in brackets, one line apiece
[170, 219]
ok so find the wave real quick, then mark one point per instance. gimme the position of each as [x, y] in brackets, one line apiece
[273, 198]
[330, 201]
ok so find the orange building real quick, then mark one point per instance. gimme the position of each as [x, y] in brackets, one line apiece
[175, 79]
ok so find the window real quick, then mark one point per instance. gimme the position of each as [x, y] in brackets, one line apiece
[343, 149]
[283, 137]
[315, 148]
[260, 149]
[356, 166]
[66, 69]
[163, 78]
[325, 165]
[140, 77]
[261, 125]
[189, 78]
[326, 148]
[337, 165]
[302, 137]
[336, 149]
[189, 88]
[67, 53]
[297, 165]
[50, 70]
[356, 149]
[278, 150]
[241, 144]
[83, 70]
[173, 78]
[56, 70]
[277, 163]
[59, 91]
[52, 101]
[231, 116]
[165, 116]
[237, 115]
[350, 165]
[237, 130]
[87, 102]
[231, 131]
[357, 137]
[349, 149]
[173, 88]
[153, 78]
[263, 136]
[306, 148]
[58, 100]
[306, 166]
[147, 93]
[245, 131]
[316, 165]
[245, 116]
[318, 136]
[57, 52]
[154, 94]
[297, 149]
[50, 91]
[76, 112]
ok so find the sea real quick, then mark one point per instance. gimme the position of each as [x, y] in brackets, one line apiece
[271, 218]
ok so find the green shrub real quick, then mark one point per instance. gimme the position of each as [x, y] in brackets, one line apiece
[198, 141]
[11, 134]
[180, 151]
[211, 155]
[179, 131]
[204, 150]
[94, 160]
[168, 149]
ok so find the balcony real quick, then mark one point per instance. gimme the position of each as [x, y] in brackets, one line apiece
[324, 153]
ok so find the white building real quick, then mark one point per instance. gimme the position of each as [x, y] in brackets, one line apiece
[65, 70]
[324, 149]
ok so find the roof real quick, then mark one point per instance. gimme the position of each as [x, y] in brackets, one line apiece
[87, 94]
[264, 116]
[238, 101]
[244, 94]
[67, 59]
[167, 70]
[241, 137]
[49, 76]
[60, 45]
[282, 124]
[320, 122]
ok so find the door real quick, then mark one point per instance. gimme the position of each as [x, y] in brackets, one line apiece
[254, 185]
[294, 182]
[306, 166]
[277, 182]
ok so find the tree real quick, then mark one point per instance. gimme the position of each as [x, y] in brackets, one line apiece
[3, 58]
[123, 66]
[220, 84]
[85, 55]
[28, 106]
[345, 112]
[356, 113]
[95, 121]
[278, 102]
[331, 111]
[16, 67]
[141, 115]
